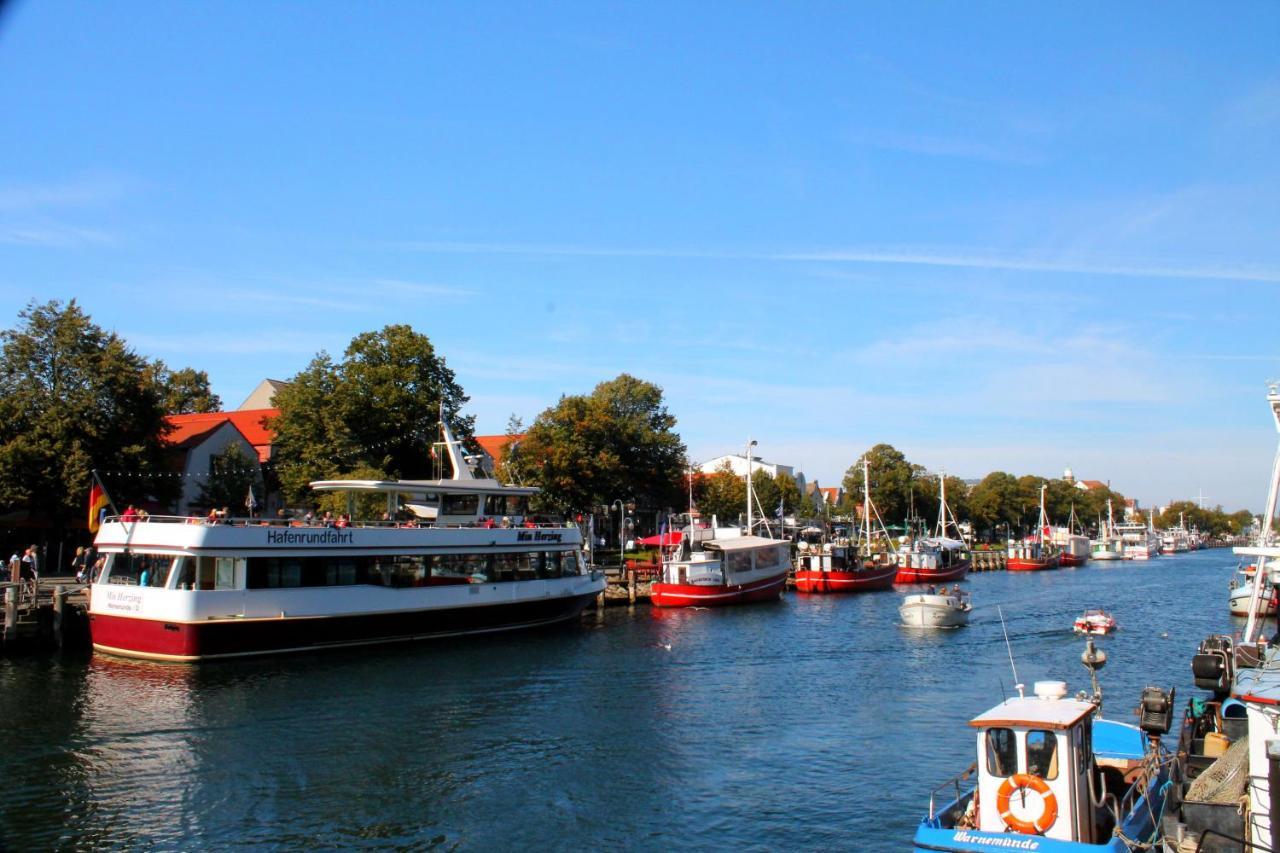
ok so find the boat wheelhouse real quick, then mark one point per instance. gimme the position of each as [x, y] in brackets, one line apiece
[1053, 775]
[1140, 541]
[450, 557]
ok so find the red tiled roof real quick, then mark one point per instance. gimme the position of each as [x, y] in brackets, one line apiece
[188, 430]
[1093, 484]
[495, 444]
[832, 493]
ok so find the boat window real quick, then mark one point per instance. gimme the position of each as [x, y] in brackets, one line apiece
[460, 505]
[225, 571]
[184, 573]
[1042, 754]
[135, 569]
[1002, 752]
[768, 558]
[737, 561]
[505, 566]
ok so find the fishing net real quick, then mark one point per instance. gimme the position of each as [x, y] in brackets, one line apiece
[1224, 780]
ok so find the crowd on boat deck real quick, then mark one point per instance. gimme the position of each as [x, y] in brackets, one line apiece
[316, 518]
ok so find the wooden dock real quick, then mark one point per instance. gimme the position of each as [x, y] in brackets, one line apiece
[56, 616]
[988, 561]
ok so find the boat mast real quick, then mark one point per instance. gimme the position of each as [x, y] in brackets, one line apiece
[1264, 535]
[942, 505]
[750, 523]
[866, 503]
[1044, 519]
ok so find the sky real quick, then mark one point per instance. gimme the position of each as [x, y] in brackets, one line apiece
[998, 236]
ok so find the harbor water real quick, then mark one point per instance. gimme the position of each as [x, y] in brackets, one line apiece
[813, 723]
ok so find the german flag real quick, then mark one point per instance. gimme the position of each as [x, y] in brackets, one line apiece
[97, 503]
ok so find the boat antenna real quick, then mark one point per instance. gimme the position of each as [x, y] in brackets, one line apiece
[1016, 683]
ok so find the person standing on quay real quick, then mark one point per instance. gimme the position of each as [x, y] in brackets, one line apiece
[31, 569]
[78, 565]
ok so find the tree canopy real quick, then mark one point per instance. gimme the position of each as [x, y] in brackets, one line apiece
[616, 443]
[376, 410]
[74, 397]
[231, 474]
[1215, 521]
[892, 479]
[185, 391]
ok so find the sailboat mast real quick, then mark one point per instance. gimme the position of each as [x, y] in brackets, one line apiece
[942, 505]
[750, 523]
[866, 503]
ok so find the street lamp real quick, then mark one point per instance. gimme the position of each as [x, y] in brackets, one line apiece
[622, 508]
[750, 444]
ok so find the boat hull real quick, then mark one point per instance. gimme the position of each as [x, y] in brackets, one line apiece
[864, 580]
[1073, 560]
[923, 614]
[157, 639]
[717, 595]
[1027, 564]
[909, 574]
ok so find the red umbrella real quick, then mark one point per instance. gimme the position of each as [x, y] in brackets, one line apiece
[672, 538]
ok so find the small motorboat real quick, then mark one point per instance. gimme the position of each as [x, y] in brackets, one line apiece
[942, 609]
[1240, 592]
[1094, 622]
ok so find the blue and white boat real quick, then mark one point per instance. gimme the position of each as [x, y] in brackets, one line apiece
[1052, 775]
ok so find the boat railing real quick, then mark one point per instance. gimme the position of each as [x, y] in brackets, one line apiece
[297, 522]
[953, 783]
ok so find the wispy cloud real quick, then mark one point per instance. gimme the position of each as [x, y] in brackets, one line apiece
[1029, 261]
[81, 192]
[53, 235]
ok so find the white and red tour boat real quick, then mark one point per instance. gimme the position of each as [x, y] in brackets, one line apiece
[181, 589]
[721, 566]
[937, 559]
[850, 567]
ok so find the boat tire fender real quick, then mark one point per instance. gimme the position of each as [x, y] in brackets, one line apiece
[1027, 827]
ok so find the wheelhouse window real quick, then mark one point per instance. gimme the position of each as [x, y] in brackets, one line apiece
[460, 505]
[508, 505]
[768, 558]
[1002, 752]
[737, 561]
[1042, 754]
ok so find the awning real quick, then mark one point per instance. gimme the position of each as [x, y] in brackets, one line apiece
[674, 537]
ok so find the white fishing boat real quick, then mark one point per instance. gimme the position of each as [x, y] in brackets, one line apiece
[1109, 545]
[1095, 621]
[185, 589]
[942, 609]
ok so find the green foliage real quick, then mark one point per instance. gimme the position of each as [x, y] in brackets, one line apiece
[892, 478]
[185, 391]
[994, 501]
[1215, 522]
[377, 410]
[616, 443]
[509, 467]
[926, 497]
[789, 491]
[74, 397]
[722, 494]
[231, 474]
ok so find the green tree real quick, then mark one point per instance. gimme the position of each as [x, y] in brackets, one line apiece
[508, 468]
[892, 477]
[788, 492]
[376, 410]
[925, 486]
[185, 391]
[616, 443]
[994, 501]
[722, 494]
[74, 397]
[232, 473]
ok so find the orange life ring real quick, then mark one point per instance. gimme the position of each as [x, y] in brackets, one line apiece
[1025, 780]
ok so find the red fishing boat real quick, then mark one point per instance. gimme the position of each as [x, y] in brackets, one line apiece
[1034, 553]
[938, 559]
[845, 567]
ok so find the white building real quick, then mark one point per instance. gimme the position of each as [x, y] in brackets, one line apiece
[737, 463]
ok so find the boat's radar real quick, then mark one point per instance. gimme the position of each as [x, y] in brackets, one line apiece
[1155, 711]
[1211, 665]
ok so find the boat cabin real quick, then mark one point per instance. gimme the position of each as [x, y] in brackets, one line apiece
[735, 560]
[934, 553]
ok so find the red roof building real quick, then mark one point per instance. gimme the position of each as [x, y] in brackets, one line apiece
[198, 438]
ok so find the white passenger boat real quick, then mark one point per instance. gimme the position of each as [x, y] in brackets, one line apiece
[180, 589]
[1140, 541]
[943, 609]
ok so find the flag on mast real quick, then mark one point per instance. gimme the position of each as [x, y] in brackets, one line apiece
[251, 502]
[98, 502]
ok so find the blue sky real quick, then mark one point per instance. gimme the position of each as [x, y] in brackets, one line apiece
[997, 236]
